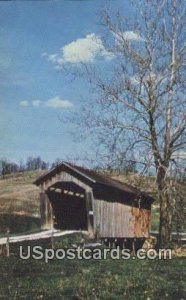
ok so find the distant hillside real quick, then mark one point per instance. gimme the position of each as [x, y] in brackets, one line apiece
[19, 202]
[144, 183]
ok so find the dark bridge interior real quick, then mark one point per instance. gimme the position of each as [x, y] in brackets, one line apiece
[69, 206]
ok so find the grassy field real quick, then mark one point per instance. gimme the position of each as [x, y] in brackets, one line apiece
[90, 279]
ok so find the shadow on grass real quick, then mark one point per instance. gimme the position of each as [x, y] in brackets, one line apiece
[18, 223]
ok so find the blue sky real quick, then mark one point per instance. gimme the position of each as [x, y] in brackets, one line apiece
[36, 39]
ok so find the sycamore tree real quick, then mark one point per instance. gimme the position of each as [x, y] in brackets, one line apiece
[136, 113]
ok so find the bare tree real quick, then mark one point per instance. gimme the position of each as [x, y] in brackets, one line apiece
[7, 167]
[36, 163]
[138, 113]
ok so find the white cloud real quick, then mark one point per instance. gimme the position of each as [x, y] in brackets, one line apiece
[128, 36]
[57, 102]
[24, 103]
[36, 103]
[131, 35]
[82, 50]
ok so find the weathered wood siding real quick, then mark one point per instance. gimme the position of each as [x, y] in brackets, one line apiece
[117, 220]
[64, 176]
[46, 212]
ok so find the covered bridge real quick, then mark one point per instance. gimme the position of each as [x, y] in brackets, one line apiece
[72, 197]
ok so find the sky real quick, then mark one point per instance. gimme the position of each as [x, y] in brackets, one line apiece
[37, 38]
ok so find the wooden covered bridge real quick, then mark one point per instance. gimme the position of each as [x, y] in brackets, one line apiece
[72, 197]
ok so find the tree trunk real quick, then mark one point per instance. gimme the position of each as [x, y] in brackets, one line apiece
[165, 225]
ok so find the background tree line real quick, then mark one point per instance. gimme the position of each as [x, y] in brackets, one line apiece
[31, 164]
[37, 163]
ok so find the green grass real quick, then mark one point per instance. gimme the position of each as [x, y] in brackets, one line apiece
[155, 218]
[90, 279]
[19, 224]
